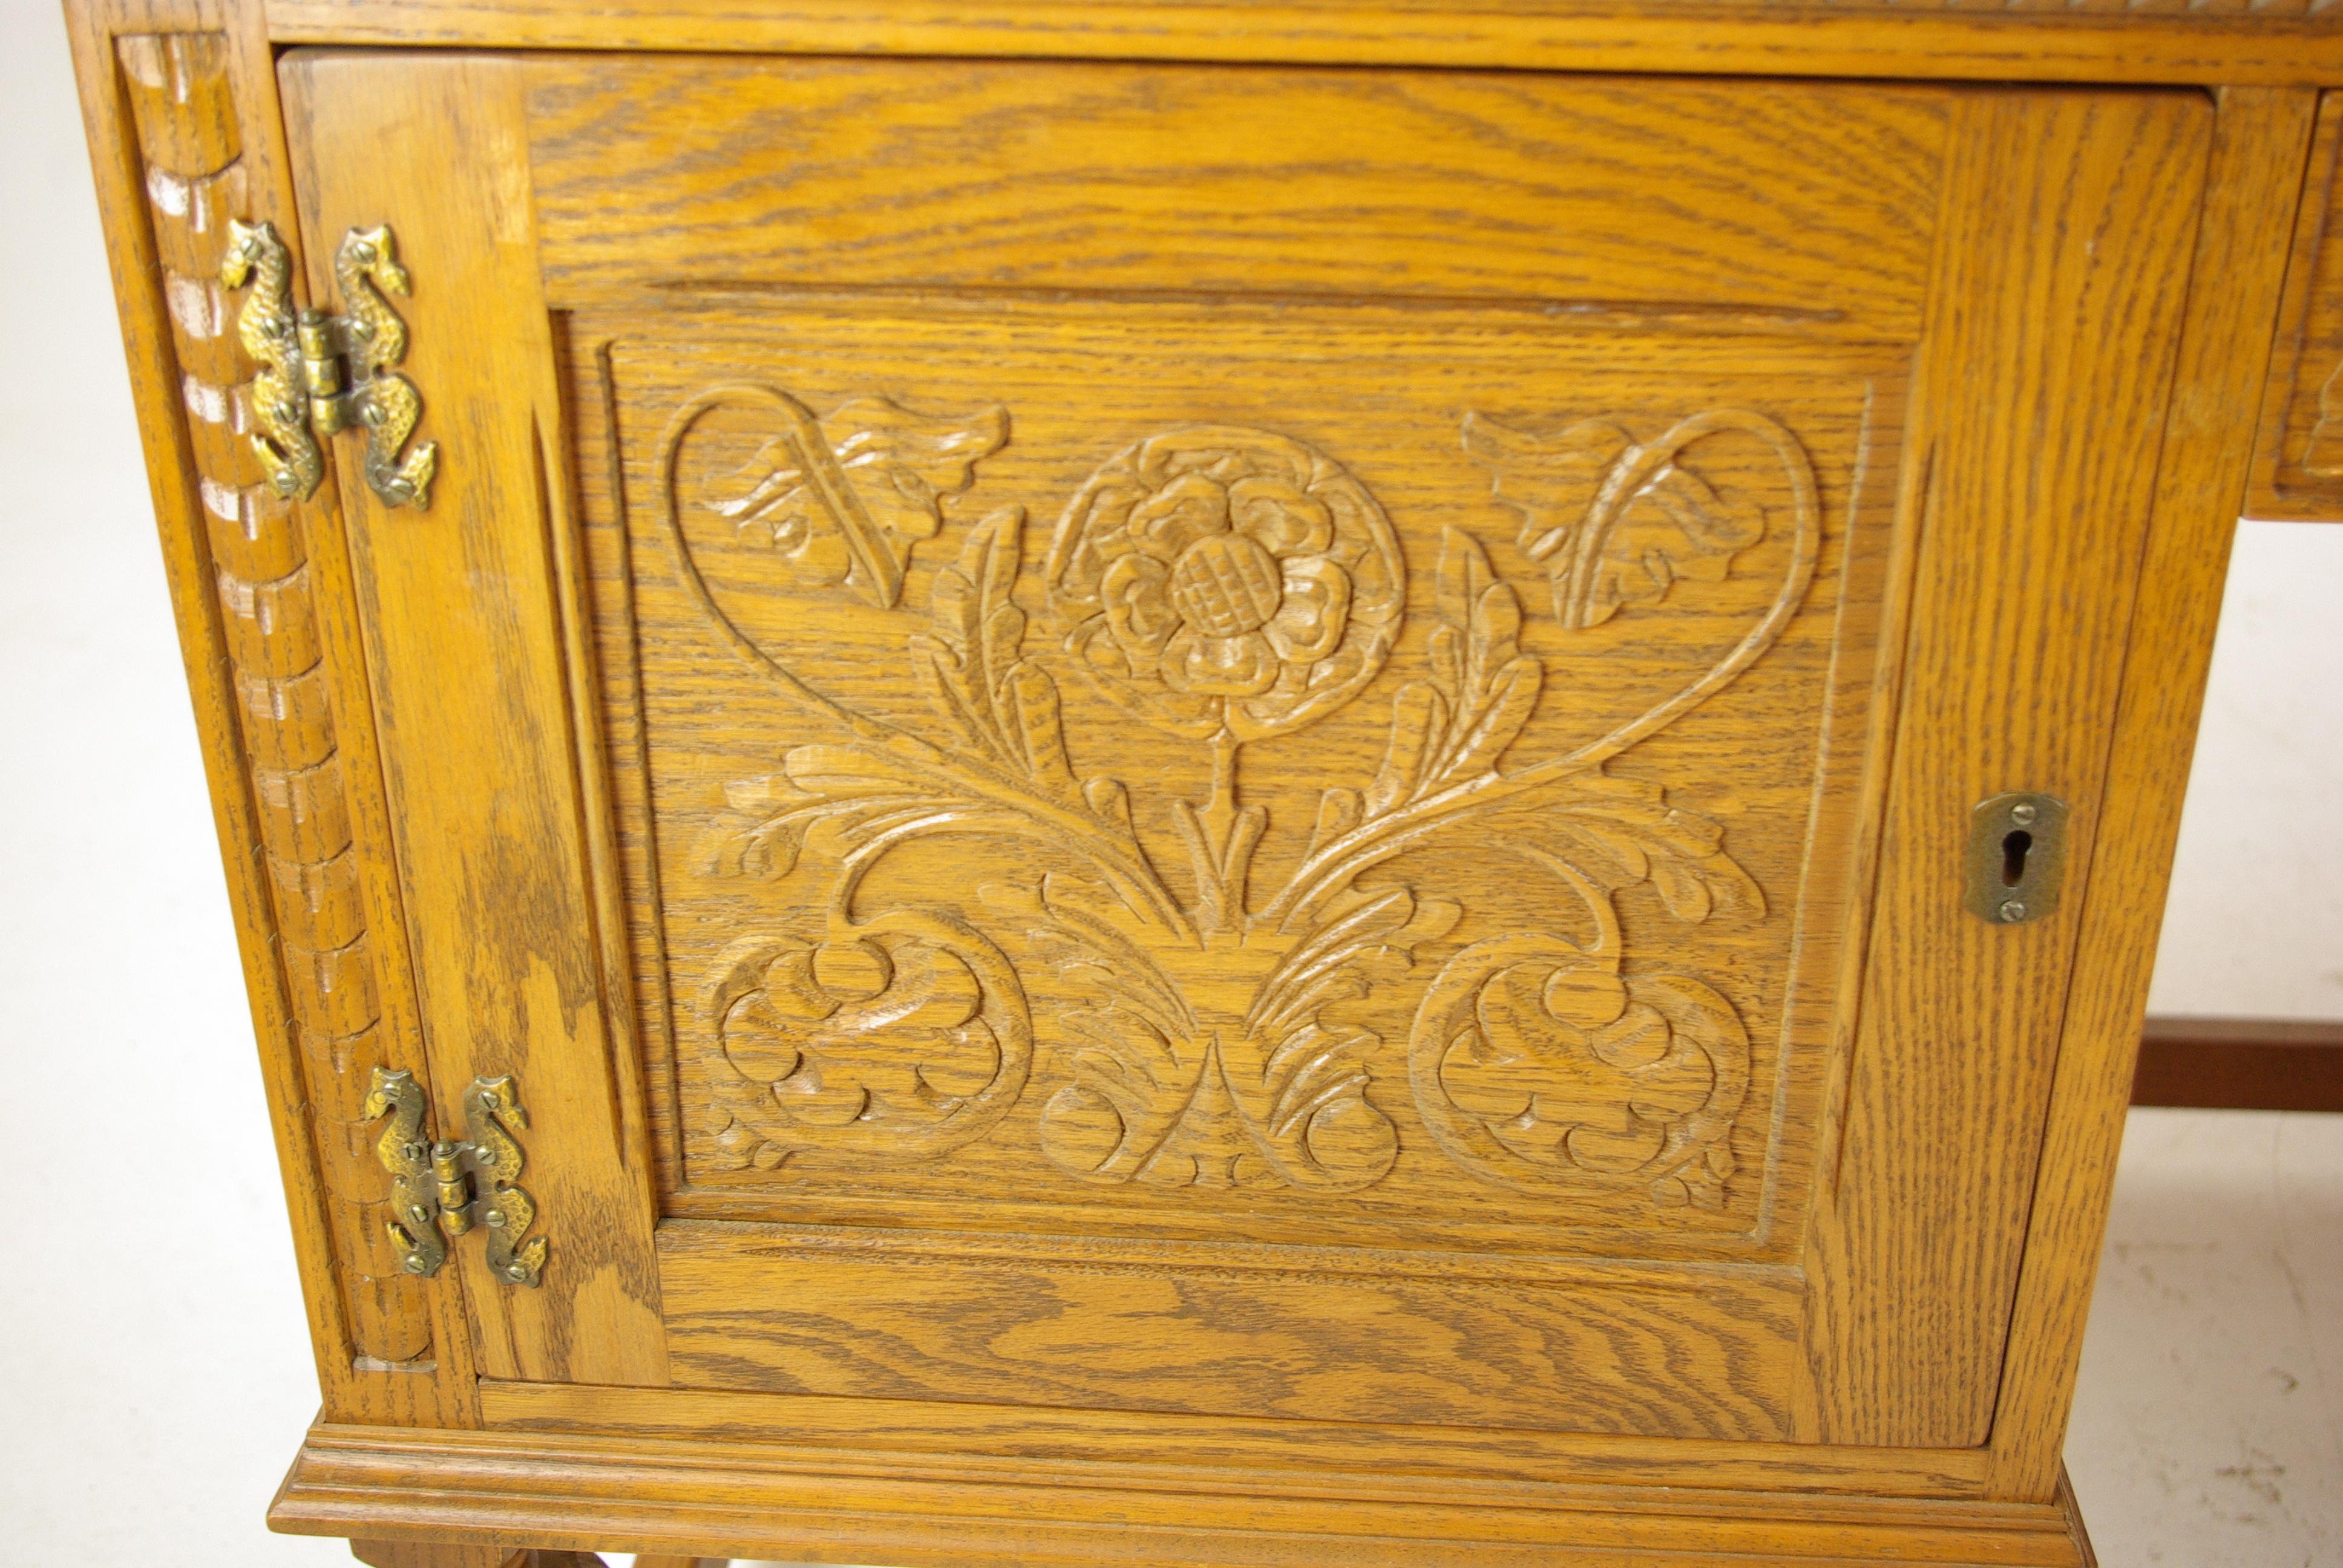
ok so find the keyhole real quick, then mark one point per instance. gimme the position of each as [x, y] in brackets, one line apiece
[2015, 845]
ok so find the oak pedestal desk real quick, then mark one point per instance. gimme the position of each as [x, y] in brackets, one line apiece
[1153, 782]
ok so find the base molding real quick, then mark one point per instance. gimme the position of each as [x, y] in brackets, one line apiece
[773, 1501]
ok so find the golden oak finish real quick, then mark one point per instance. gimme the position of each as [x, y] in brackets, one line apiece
[490, 810]
[671, 1495]
[1438, 186]
[1035, 1435]
[181, 112]
[2048, 497]
[2251, 191]
[1216, 811]
[2298, 467]
[2165, 41]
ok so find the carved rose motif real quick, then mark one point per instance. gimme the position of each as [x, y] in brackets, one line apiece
[890, 1040]
[1226, 579]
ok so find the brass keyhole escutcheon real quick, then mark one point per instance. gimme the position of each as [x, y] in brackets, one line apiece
[2016, 858]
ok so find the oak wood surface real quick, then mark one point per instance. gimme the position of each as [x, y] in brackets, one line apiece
[1040, 362]
[2054, 332]
[183, 121]
[999, 1439]
[1423, 185]
[1714, 1355]
[2253, 180]
[653, 1495]
[2165, 42]
[439, 1554]
[2040, 408]
[582, 267]
[2298, 472]
[484, 759]
[692, 715]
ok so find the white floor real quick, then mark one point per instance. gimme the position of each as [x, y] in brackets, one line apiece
[2208, 1423]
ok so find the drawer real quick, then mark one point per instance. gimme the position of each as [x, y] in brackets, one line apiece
[2299, 464]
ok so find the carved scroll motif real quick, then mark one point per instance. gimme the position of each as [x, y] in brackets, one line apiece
[1227, 586]
[1539, 1061]
[178, 92]
[893, 1040]
[843, 499]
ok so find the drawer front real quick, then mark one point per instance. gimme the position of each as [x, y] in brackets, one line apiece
[1255, 743]
[2298, 463]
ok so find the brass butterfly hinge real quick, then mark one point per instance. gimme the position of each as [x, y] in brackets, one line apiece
[454, 1186]
[326, 374]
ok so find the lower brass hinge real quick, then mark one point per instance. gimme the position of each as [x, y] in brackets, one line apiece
[454, 1186]
[326, 373]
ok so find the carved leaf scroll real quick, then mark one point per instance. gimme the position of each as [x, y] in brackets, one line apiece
[1617, 523]
[974, 665]
[1540, 1060]
[842, 498]
[1228, 586]
[1481, 692]
[1172, 1094]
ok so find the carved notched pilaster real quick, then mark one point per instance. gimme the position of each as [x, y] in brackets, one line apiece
[195, 178]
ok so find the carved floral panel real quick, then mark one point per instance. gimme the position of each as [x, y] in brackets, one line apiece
[1195, 776]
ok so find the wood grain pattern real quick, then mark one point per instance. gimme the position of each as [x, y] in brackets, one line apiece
[1008, 1440]
[485, 772]
[2040, 414]
[2253, 181]
[436, 1554]
[179, 98]
[1039, 1303]
[736, 1327]
[776, 1500]
[1656, 1352]
[734, 868]
[185, 139]
[2170, 41]
[1043, 176]
[2298, 472]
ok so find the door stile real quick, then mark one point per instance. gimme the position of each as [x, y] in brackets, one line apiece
[2261, 137]
[2045, 367]
[493, 773]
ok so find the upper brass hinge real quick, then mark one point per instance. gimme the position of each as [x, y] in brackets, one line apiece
[454, 1186]
[324, 373]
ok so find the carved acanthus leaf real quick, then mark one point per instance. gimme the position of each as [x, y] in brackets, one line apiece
[1169, 1097]
[974, 663]
[1482, 689]
[1621, 832]
[1227, 586]
[870, 1043]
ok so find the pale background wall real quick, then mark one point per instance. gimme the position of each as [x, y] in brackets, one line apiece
[153, 1372]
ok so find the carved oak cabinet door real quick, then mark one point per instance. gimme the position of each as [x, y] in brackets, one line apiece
[1250, 751]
